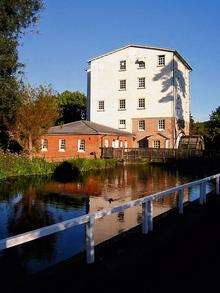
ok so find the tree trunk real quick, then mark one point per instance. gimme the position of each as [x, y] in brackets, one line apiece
[30, 146]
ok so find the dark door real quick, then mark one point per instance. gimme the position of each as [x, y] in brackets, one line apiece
[143, 143]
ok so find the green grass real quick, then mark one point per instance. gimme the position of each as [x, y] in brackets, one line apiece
[86, 165]
[17, 165]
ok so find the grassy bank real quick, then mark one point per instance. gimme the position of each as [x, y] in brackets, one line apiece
[16, 165]
[86, 165]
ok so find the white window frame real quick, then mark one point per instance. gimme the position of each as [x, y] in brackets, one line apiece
[122, 125]
[123, 65]
[161, 60]
[144, 102]
[161, 125]
[143, 127]
[122, 84]
[120, 104]
[156, 144]
[43, 148]
[81, 145]
[62, 146]
[106, 143]
[141, 82]
[101, 105]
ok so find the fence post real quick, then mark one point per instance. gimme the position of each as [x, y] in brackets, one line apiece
[218, 185]
[180, 200]
[204, 192]
[144, 218]
[202, 198]
[90, 253]
[147, 216]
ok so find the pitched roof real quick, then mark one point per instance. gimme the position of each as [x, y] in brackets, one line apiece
[85, 127]
[145, 47]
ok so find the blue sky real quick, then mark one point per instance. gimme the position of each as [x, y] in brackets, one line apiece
[70, 32]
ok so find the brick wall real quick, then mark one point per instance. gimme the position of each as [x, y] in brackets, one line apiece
[92, 144]
[170, 133]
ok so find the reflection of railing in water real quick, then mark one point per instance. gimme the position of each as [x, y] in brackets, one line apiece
[157, 154]
[88, 219]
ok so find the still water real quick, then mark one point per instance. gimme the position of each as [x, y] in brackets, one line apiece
[34, 202]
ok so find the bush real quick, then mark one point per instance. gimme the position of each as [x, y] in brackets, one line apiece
[19, 165]
[86, 165]
[66, 171]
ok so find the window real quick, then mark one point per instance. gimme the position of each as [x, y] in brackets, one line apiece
[106, 143]
[141, 103]
[81, 145]
[123, 84]
[161, 124]
[156, 144]
[123, 65]
[121, 144]
[126, 144]
[161, 60]
[122, 104]
[122, 123]
[62, 145]
[101, 105]
[141, 82]
[141, 125]
[44, 144]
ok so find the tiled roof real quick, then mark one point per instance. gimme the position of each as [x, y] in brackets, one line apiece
[85, 127]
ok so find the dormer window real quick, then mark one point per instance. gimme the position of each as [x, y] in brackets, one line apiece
[123, 65]
[140, 64]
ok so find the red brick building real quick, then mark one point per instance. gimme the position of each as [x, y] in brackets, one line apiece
[81, 139]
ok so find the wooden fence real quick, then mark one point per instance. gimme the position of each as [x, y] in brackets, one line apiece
[157, 154]
[147, 216]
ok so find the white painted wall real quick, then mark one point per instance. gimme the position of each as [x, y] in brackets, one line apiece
[105, 75]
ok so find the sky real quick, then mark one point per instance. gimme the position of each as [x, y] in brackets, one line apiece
[71, 32]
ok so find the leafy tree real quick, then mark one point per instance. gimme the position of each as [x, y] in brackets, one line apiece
[72, 106]
[214, 129]
[38, 111]
[15, 17]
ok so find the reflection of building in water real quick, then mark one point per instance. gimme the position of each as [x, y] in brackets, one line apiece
[117, 187]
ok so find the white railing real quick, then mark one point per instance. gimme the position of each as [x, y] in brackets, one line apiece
[88, 219]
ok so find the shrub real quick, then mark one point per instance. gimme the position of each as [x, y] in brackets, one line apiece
[18, 165]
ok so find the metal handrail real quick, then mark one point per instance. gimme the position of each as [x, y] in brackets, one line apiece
[147, 216]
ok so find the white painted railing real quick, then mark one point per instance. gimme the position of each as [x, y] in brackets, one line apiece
[88, 219]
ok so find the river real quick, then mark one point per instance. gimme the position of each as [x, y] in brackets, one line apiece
[27, 203]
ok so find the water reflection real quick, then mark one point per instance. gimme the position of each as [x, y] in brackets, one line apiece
[30, 203]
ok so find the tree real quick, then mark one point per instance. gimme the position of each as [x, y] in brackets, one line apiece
[15, 17]
[38, 111]
[214, 129]
[72, 106]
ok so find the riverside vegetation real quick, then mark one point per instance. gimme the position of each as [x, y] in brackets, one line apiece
[19, 165]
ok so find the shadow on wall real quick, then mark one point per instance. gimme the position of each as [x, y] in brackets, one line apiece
[166, 75]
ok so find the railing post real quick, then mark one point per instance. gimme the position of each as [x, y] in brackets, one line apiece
[218, 185]
[150, 214]
[90, 252]
[180, 200]
[202, 188]
[144, 218]
[204, 192]
[147, 216]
